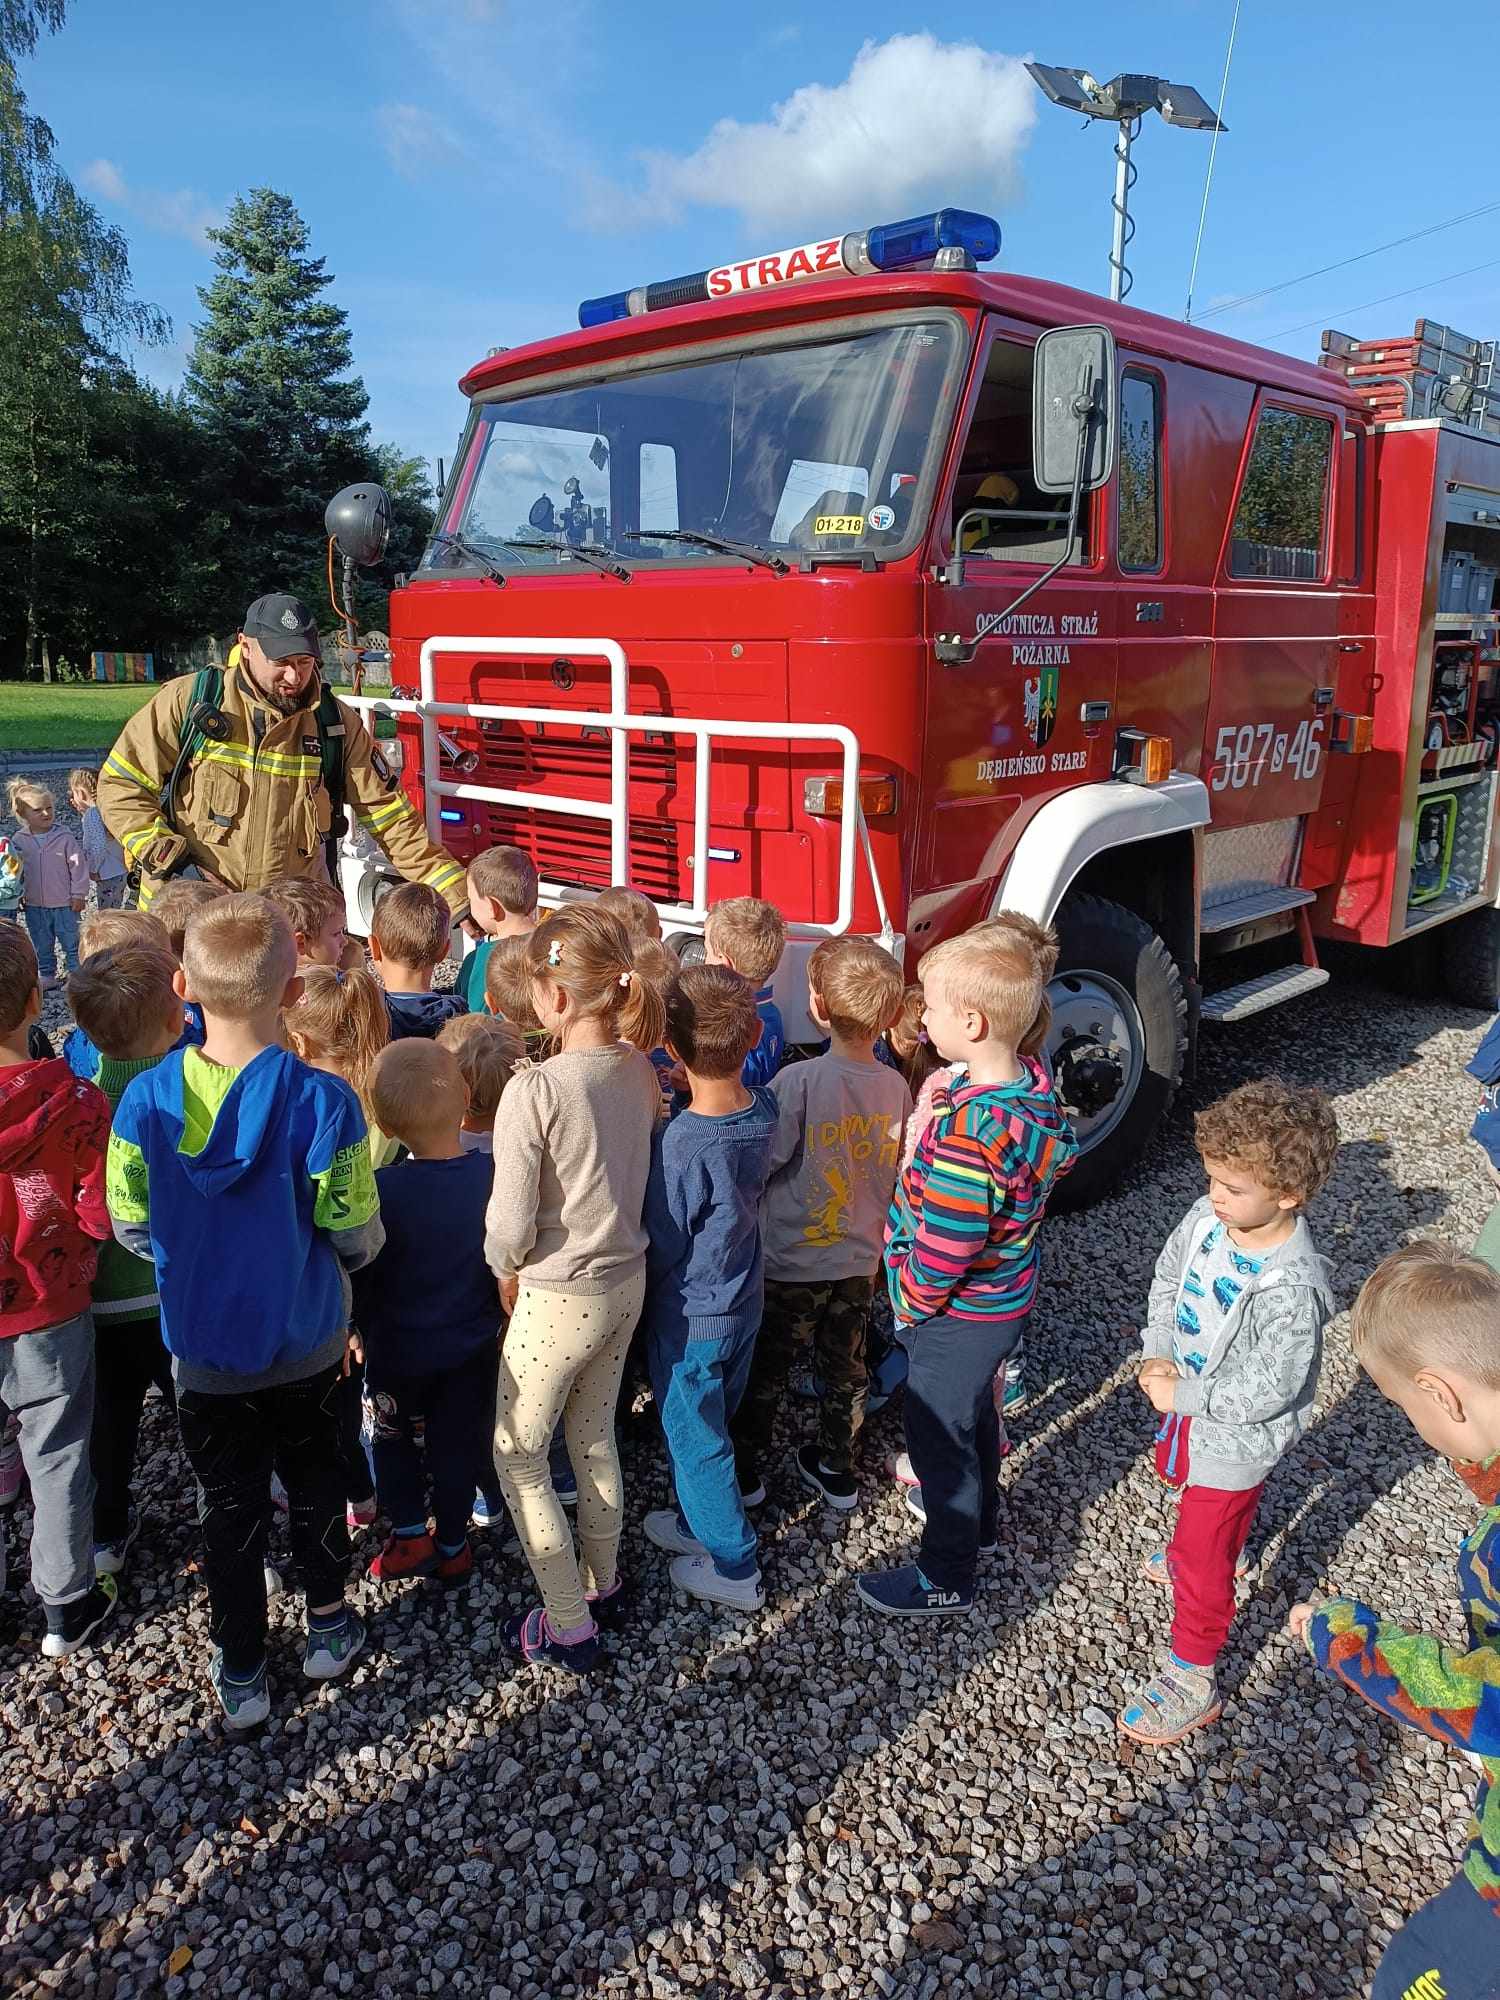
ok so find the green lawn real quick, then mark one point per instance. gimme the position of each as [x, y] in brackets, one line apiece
[33, 717]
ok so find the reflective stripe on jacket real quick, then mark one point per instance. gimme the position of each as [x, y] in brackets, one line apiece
[254, 807]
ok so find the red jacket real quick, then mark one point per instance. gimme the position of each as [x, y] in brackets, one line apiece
[54, 1129]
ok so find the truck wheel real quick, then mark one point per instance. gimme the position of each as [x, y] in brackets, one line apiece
[1469, 951]
[1118, 1040]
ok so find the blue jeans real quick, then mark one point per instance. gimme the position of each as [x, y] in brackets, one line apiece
[698, 1385]
[50, 928]
[1450, 1946]
[953, 1438]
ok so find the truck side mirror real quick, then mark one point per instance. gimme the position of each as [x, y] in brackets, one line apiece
[359, 520]
[1073, 391]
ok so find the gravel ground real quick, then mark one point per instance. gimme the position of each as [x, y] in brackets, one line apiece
[810, 1801]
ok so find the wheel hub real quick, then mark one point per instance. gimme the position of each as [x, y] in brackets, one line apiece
[1097, 1047]
[1089, 1077]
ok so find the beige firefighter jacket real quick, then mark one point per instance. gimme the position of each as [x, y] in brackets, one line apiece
[254, 807]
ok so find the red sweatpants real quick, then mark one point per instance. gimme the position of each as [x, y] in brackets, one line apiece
[1212, 1528]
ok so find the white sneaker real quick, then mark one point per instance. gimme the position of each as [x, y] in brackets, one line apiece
[664, 1528]
[900, 1469]
[697, 1577]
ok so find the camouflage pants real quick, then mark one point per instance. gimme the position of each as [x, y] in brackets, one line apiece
[832, 1318]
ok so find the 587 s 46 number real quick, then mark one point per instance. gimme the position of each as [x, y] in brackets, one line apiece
[1246, 752]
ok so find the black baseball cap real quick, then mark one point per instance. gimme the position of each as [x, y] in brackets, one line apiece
[283, 626]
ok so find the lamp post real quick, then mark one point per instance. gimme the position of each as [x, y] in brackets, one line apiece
[1124, 102]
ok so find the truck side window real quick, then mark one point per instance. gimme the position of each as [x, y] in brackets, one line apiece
[1139, 531]
[1280, 521]
[1019, 523]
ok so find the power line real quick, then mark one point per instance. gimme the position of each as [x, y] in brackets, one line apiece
[1208, 178]
[1266, 291]
[1344, 312]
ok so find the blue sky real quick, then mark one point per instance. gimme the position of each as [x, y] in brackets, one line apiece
[471, 169]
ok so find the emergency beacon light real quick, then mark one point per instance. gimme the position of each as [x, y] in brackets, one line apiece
[952, 239]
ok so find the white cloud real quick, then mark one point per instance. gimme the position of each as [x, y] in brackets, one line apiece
[417, 142]
[915, 120]
[175, 212]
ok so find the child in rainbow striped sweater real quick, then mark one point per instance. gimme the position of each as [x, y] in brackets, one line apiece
[961, 1254]
[1427, 1329]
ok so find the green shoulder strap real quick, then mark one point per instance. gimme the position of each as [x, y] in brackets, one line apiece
[331, 746]
[208, 685]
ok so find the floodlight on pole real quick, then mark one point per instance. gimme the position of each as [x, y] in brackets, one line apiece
[1124, 102]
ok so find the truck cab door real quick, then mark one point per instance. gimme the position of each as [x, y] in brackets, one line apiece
[1276, 625]
[1027, 716]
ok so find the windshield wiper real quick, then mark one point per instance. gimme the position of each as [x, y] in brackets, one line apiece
[584, 552]
[468, 551]
[724, 544]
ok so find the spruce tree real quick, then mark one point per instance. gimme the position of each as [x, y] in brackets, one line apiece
[269, 380]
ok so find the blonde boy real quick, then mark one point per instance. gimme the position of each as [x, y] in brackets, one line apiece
[408, 942]
[962, 1255]
[832, 1173]
[1426, 1328]
[315, 911]
[178, 901]
[749, 934]
[636, 912]
[487, 1050]
[502, 901]
[245, 1174]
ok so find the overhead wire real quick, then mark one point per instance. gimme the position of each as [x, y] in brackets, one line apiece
[1430, 285]
[1266, 291]
[1208, 178]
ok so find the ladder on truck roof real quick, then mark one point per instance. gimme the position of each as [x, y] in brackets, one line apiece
[621, 725]
[1431, 372]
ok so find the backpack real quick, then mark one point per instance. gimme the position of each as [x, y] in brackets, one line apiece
[208, 686]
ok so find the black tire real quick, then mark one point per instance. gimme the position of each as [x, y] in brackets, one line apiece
[1469, 960]
[688, 945]
[1096, 936]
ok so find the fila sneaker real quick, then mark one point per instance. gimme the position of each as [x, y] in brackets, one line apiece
[906, 1593]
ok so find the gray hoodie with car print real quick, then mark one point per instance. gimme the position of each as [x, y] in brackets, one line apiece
[1255, 1394]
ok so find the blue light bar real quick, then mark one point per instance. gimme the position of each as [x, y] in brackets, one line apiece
[950, 239]
[892, 246]
[453, 818]
[599, 312]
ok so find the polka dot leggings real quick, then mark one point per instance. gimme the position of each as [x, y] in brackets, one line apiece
[564, 1354]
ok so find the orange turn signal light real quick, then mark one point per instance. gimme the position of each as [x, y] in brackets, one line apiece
[1353, 735]
[1141, 759]
[823, 798]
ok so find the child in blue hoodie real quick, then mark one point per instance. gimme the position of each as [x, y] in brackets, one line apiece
[705, 1280]
[246, 1176]
[408, 942]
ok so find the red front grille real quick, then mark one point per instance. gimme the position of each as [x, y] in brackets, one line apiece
[565, 847]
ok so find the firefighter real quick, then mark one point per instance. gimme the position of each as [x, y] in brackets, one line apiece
[241, 776]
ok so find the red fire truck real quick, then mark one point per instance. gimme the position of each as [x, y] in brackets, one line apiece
[900, 592]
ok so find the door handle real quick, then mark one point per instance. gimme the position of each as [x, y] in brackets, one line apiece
[1351, 645]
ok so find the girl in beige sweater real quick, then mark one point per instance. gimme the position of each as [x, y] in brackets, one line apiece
[565, 1239]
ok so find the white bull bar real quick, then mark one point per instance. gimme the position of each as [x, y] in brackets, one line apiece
[622, 725]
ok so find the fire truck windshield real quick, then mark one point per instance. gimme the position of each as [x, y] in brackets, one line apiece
[821, 445]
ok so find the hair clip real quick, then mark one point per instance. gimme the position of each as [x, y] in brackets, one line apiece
[554, 953]
[625, 978]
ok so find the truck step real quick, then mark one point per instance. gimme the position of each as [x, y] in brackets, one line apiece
[1254, 996]
[1250, 909]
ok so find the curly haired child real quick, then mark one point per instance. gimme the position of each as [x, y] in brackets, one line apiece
[1232, 1346]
